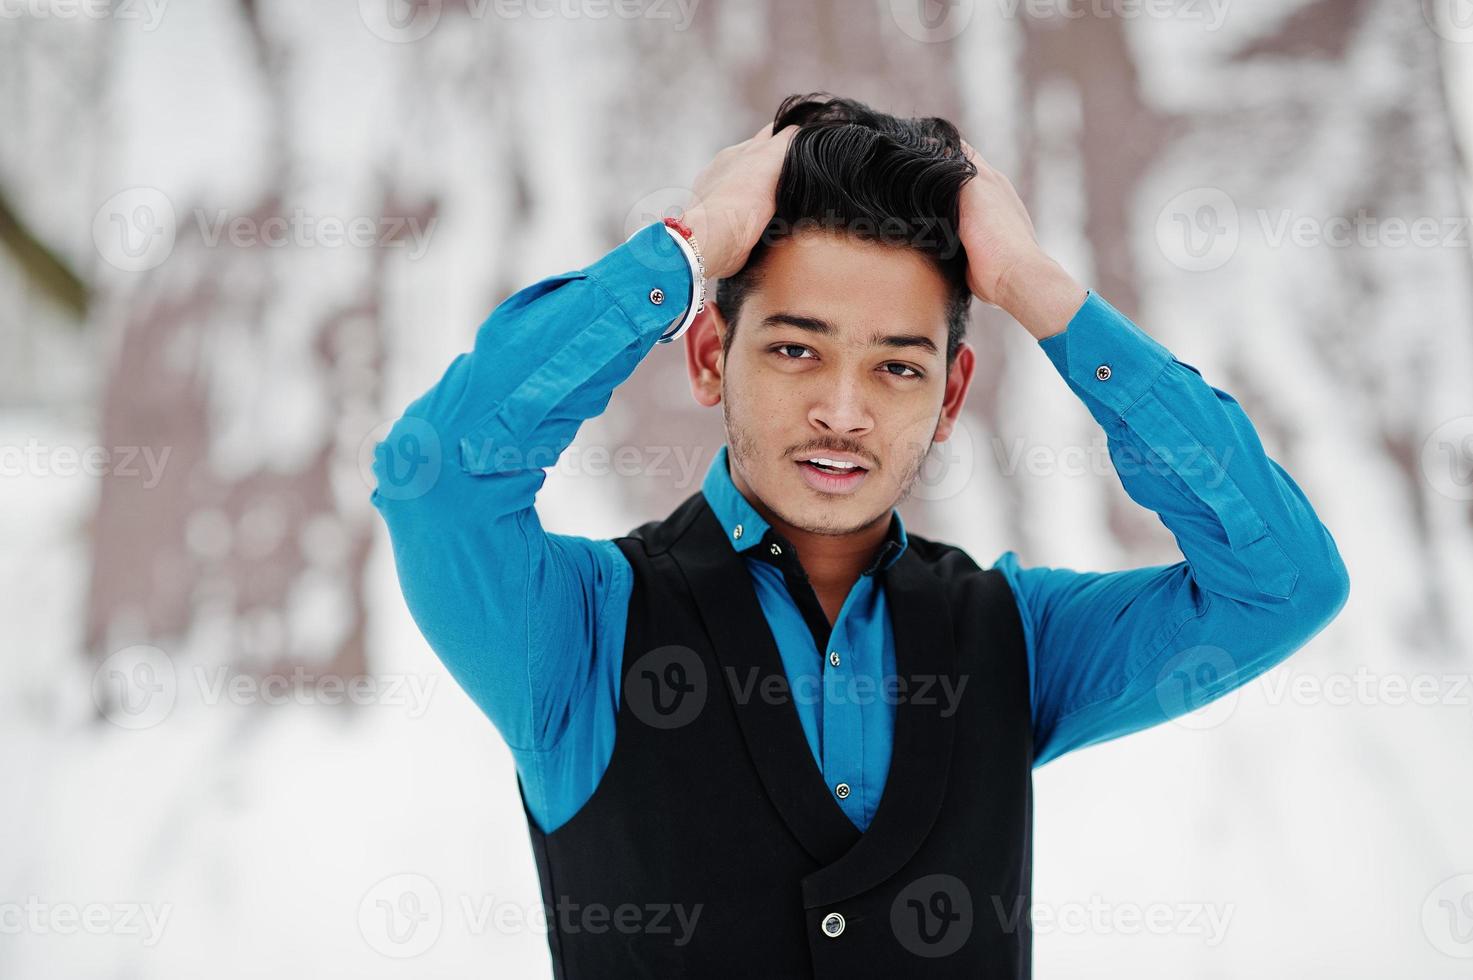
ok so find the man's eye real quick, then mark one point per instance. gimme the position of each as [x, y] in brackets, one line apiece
[788, 347]
[904, 367]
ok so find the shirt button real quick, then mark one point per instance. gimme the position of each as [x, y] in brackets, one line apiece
[657, 295]
[833, 924]
[834, 657]
[842, 791]
[777, 549]
[736, 532]
[1103, 372]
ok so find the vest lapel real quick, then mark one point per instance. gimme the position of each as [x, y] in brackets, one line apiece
[751, 665]
[926, 660]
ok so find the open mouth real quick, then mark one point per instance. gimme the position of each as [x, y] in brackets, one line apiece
[826, 465]
[830, 475]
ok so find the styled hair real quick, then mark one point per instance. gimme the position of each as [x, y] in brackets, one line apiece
[877, 178]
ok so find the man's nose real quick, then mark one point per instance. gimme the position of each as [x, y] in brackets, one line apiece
[840, 407]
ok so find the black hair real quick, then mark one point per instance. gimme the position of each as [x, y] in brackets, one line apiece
[874, 176]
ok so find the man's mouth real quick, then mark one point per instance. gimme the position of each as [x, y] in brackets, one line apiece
[832, 473]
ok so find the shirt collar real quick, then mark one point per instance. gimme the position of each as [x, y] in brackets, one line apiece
[746, 528]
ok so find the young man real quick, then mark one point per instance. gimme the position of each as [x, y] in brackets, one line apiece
[773, 734]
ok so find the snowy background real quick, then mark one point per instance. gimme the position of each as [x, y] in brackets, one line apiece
[237, 238]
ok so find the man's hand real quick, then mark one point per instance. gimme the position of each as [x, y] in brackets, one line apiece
[1006, 267]
[735, 198]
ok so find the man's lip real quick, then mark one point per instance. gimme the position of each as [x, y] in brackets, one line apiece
[840, 457]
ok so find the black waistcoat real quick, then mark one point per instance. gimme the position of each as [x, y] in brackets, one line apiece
[712, 846]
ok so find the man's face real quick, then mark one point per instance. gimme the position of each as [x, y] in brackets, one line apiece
[840, 353]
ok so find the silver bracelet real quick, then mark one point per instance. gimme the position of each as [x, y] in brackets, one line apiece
[697, 306]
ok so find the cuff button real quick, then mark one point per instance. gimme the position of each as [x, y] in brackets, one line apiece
[657, 295]
[1103, 372]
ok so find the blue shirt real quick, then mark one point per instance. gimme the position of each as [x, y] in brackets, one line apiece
[531, 623]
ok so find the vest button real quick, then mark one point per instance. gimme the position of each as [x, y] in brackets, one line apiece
[833, 924]
[834, 658]
[736, 532]
[1103, 372]
[842, 792]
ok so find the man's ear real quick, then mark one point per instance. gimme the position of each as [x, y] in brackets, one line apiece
[704, 360]
[958, 380]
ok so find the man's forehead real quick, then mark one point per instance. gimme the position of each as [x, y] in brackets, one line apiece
[858, 289]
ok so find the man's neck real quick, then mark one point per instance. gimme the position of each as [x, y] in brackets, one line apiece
[832, 562]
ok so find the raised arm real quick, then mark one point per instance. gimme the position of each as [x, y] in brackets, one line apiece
[1114, 652]
[530, 623]
[509, 608]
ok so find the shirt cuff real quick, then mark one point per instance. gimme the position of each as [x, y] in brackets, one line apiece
[649, 279]
[1108, 360]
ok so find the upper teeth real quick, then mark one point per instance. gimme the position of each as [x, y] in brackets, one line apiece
[833, 462]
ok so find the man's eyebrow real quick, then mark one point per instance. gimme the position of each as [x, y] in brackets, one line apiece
[817, 325]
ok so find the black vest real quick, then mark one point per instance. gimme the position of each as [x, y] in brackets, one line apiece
[712, 847]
